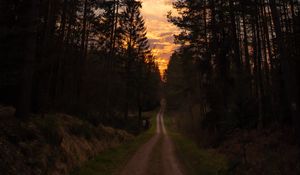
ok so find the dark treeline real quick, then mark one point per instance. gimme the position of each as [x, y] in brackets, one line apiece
[88, 57]
[238, 64]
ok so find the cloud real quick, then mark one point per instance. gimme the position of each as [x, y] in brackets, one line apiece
[169, 39]
[152, 40]
[159, 46]
[169, 2]
[159, 31]
[166, 34]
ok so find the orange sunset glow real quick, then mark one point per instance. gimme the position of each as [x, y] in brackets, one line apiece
[160, 31]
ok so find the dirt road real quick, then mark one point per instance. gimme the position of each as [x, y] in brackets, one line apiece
[157, 156]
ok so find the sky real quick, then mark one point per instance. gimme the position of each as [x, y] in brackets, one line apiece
[159, 31]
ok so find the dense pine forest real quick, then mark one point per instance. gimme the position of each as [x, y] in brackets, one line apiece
[236, 76]
[72, 74]
[237, 62]
[82, 90]
[76, 56]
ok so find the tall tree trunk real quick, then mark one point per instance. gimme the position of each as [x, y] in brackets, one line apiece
[246, 49]
[83, 31]
[289, 91]
[82, 58]
[236, 46]
[26, 80]
[259, 67]
[61, 52]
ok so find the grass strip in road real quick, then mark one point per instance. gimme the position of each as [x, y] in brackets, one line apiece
[111, 161]
[196, 161]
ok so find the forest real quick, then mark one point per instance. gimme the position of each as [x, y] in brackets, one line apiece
[75, 78]
[237, 63]
[236, 75]
[76, 56]
[82, 92]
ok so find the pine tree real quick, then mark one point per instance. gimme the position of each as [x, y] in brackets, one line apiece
[237, 49]
[137, 49]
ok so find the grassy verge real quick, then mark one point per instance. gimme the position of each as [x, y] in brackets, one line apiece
[111, 161]
[196, 160]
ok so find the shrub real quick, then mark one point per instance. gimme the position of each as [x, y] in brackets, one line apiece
[49, 127]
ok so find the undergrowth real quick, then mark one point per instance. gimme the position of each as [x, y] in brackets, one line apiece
[110, 162]
[195, 159]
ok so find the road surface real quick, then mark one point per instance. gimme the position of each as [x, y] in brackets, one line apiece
[157, 156]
